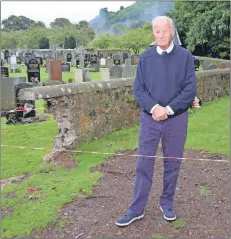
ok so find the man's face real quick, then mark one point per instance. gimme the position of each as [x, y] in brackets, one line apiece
[163, 34]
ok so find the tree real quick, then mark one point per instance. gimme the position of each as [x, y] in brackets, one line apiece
[82, 24]
[17, 23]
[60, 22]
[69, 42]
[203, 27]
[136, 39]
[44, 43]
[39, 24]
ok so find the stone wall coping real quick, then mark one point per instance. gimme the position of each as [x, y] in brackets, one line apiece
[212, 59]
[47, 92]
[212, 72]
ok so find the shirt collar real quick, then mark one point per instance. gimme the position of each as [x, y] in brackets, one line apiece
[168, 50]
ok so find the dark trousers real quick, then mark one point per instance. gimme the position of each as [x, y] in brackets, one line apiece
[172, 133]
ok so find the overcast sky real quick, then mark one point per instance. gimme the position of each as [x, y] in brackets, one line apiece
[47, 11]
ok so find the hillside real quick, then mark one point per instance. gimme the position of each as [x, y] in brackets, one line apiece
[133, 16]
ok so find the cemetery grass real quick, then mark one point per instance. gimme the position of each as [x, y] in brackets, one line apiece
[65, 75]
[27, 212]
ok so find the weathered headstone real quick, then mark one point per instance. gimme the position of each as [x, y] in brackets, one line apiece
[116, 72]
[18, 60]
[212, 66]
[69, 57]
[6, 54]
[94, 61]
[55, 70]
[117, 59]
[4, 71]
[134, 59]
[13, 63]
[103, 62]
[40, 60]
[109, 63]
[205, 65]
[78, 75]
[8, 96]
[105, 74]
[66, 67]
[33, 71]
[127, 69]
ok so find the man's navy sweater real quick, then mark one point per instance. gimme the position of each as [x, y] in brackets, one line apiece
[165, 80]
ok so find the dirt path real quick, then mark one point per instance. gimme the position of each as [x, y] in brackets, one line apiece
[202, 203]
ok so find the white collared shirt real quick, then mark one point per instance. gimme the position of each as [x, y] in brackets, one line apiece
[168, 50]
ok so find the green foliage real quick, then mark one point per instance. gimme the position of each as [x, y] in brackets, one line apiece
[44, 43]
[69, 42]
[35, 34]
[204, 27]
[133, 39]
[19, 23]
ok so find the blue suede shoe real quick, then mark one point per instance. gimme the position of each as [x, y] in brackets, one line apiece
[169, 214]
[127, 220]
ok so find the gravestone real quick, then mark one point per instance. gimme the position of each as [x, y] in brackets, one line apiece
[205, 65]
[2, 56]
[40, 60]
[8, 97]
[116, 72]
[4, 71]
[18, 60]
[105, 74]
[125, 56]
[127, 69]
[6, 54]
[33, 70]
[134, 59]
[28, 55]
[117, 59]
[212, 66]
[94, 61]
[109, 63]
[103, 62]
[66, 67]
[69, 57]
[13, 63]
[55, 70]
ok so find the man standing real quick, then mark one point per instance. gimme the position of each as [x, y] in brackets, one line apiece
[164, 87]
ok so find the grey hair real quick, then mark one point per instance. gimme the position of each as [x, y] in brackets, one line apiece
[158, 18]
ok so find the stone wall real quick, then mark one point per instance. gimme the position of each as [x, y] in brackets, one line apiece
[220, 63]
[88, 110]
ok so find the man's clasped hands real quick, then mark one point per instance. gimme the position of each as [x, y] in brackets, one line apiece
[162, 113]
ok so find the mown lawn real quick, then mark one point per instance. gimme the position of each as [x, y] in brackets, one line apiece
[208, 130]
[65, 75]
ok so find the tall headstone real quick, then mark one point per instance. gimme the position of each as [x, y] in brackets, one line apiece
[116, 72]
[33, 70]
[69, 57]
[105, 74]
[127, 69]
[134, 59]
[78, 75]
[6, 54]
[109, 63]
[55, 70]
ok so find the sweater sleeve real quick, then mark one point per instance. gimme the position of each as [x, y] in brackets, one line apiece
[140, 91]
[187, 95]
